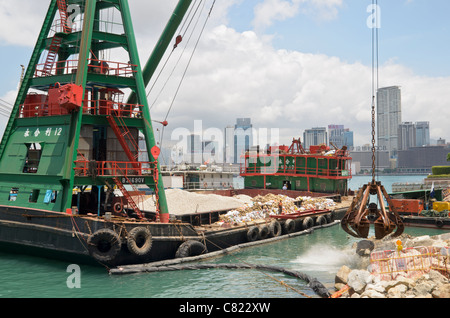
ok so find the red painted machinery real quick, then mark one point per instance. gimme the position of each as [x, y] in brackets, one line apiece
[70, 97]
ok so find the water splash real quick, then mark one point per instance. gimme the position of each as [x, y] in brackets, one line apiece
[325, 258]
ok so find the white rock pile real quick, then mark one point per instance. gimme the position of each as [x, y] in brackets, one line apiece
[365, 285]
[368, 283]
[184, 202]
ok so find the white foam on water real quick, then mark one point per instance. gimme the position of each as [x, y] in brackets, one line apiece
[324, 258]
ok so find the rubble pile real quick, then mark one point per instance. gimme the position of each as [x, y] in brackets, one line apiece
[365, 285]
[262, 207]
[238, 217]
[309, 203]
[420, 271]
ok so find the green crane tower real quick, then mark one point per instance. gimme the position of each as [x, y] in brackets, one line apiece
[71, 137]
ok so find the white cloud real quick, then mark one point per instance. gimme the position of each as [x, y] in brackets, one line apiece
[21, 21]
[240, 74]
[269, 11]
[323, 9]
[274, 10]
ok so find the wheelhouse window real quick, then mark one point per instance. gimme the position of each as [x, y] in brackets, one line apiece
[33, 158]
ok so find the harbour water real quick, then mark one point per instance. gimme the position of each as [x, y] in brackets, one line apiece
[358, 181]
[319, 255]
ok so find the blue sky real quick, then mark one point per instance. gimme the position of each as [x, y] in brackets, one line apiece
[294, 52]
[415, 33]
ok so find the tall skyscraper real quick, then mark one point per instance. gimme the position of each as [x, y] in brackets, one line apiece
[243, 137]
[422, 133]
[228, 145]
[315, 136]
[348, 139]
[413, 135]
[340, 136]
[389, 117]
[193, 153]
[406, 136]
[336, 135]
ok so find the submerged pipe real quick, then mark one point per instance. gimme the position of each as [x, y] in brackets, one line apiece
[163, 44]
[313, 283]
[175, 264]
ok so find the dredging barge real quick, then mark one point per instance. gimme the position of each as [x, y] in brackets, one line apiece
[70, 144]
[428, 208]
[321, 169]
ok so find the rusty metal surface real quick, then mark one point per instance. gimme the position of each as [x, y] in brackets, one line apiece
[357, 219]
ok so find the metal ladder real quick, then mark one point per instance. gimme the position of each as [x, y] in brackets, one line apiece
[124, 141]
[51, 56]
[128, 197]
[62, 7]
[57, 40]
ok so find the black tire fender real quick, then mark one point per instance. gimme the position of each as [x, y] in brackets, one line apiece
[330, 217]
[104, 245]
[321, 220]
[190, 248]
[139, 241]
[289, 226]
[263, 232]
[252, 234]
[307, 223]
[275, 228]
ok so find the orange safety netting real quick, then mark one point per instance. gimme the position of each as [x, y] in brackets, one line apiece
[410, 262]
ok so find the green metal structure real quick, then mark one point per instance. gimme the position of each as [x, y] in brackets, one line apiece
[71, 138]
[298, 170]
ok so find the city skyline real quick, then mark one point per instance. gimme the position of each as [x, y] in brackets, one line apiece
[340, 132]
[334, 135]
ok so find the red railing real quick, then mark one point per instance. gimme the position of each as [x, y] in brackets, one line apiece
[108, 107]
[95, 66]
[322, 172]
[91, 107]
[84, 168]
[34, 110]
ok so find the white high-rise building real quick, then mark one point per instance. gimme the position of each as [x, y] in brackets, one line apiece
[340, 136]
[422, 133]
[237, 140]
[406, 136]
[243, 137]
[228, 145]
[389, 117]
[315, 137]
